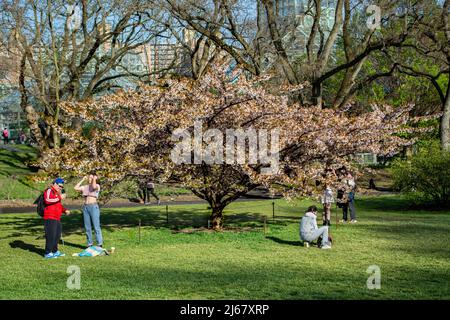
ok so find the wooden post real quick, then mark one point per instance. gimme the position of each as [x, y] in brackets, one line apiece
[337, 218]
[273, 211]
[265, 222]
[167, 214]
[139, 230]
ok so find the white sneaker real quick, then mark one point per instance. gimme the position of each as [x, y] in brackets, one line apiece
[354, 221]
[326, 247]
[343, 221]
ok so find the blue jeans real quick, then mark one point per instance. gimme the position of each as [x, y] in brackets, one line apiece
[91, 212]
[315, 234]
[349, 205]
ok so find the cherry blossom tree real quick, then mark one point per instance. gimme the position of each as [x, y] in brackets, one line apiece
[189, 131]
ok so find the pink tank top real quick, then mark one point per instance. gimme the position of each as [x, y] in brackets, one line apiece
[88, 191]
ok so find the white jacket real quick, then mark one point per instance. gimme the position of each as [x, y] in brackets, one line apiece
[308, 224]
[327, 196]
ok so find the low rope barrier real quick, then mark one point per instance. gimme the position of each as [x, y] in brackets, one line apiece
[283, 212]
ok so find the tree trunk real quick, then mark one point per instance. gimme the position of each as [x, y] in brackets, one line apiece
[275, 35]
[217, 218]
[56, 138]
[31, 115]
[346, 85]
[408, 152]
[445, 123]
[32, 119]
[317, 94]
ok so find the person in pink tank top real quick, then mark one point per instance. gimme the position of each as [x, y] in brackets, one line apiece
[91, 210]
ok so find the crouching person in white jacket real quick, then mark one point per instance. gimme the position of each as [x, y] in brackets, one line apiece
[309, 231]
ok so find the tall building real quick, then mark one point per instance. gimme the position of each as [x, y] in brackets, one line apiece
[292, 13]
[290, 7]
[152, 60]
[286, 8]
[295, 25]
[10, 111]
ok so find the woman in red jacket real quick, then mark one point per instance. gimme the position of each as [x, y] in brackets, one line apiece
[52, 218]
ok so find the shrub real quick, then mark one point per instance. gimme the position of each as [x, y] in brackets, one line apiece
[425, 177]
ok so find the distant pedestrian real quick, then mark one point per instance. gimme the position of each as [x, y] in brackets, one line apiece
[22, 137]
[351, 196]
[149, 189]
[5, 135]
[372, 184]
[327, 201]
[52, 218]
[346, 194]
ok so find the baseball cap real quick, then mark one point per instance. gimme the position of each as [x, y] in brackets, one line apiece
[59, 181]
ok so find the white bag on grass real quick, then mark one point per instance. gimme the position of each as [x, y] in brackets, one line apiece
[92, 251]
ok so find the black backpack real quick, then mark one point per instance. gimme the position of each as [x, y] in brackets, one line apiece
[40, 204]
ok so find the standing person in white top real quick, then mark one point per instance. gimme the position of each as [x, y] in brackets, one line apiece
[91, 210]
[327, 201]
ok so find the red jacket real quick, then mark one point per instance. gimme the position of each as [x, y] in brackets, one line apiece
[53, 206]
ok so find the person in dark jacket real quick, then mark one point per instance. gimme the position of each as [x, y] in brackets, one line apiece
[52, 218]
[349, 187]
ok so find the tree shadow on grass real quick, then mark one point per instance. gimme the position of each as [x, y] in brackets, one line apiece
[74, 245]
[19, 244]
[256, 282]
[18, 160]
[28, 184]
[397, 203]
[11, 164]
[416, 238]
[112, 220]
[26, 225]
[286, 219]
[26, 246]
[411, 231]
[287, 242]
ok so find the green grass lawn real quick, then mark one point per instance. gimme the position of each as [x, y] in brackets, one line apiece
[410, 247]
[17, 183]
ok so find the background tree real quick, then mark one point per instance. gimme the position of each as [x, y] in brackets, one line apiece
[300, 46]
[426, 55]
[425, 176]
[69, 50]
